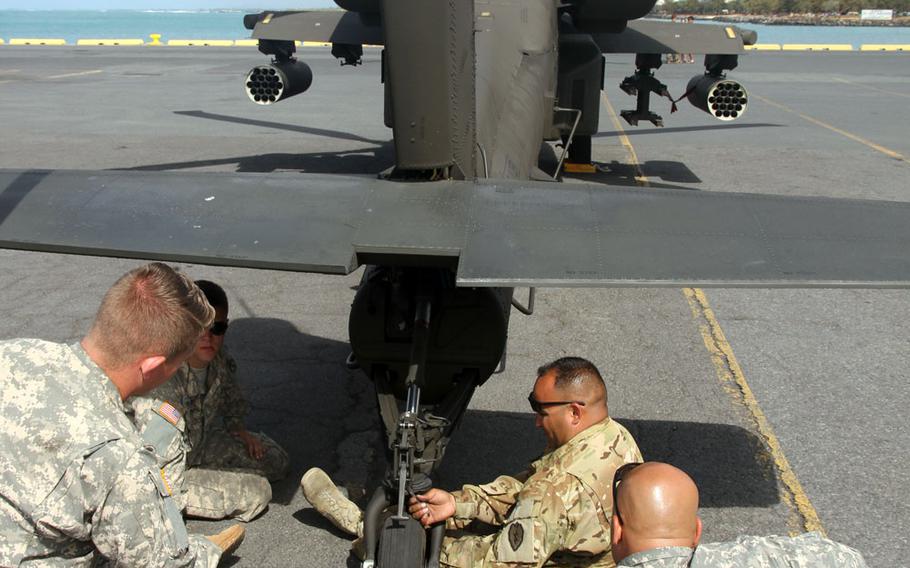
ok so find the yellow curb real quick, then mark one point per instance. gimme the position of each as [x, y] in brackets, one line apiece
[110, 42]
[1, 41]
[817, 47]
[246, 43]
[884, 47]
[315, 44]
[32, 41]
[200, 42]
[763, 47]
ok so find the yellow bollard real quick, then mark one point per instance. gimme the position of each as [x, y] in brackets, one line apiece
[156, 39]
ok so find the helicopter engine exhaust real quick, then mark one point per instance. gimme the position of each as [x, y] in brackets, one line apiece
[722, 98]
[267, 84]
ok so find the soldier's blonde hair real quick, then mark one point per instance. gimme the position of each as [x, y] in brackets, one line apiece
[151, 310]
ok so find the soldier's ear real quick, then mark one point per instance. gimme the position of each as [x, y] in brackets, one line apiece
[697, 538]
[616, 530]
[575, 413]
[149, 366]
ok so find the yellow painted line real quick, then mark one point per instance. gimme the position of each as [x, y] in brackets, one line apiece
[200, 42]
[36, 41]
[763, 47]
[870, 87]
[728, 369]
[109, 42]
[77, 74]
[884, 47]
[246, 42]
[1, 41]
[817, 47]
[316, 44]
[886, 151]
[640, 178]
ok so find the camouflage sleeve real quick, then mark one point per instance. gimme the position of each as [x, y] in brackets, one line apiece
[533, 531]
[161, 426]
[137, 523]
[234, 406]
[489, 503]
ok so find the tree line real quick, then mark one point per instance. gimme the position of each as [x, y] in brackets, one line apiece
[783, 6]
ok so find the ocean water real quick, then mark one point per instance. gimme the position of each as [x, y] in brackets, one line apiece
[854, 35]
[84, 24]
[228, 24]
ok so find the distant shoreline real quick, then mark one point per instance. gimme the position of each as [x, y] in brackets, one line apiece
[800, 20]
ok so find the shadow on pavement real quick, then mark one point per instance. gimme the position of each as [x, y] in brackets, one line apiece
[303, 396]
[730, 464]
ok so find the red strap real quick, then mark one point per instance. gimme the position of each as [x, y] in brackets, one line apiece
[673, 107]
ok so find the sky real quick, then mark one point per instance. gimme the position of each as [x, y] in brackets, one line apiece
[161, 4]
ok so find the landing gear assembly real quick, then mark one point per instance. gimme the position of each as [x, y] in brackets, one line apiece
[426, 345]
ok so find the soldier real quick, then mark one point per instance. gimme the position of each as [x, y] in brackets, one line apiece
[219, 469]
[79, 484]
[655, 525]
[556, 514]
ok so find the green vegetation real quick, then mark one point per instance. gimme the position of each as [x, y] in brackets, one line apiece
[819, 7]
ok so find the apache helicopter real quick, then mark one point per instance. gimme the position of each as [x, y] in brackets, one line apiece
[465, 214]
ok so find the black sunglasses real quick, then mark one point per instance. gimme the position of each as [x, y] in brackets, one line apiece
[617, 479]
[538, 406]
[219, 328]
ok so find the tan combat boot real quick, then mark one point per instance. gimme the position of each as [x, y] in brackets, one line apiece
[331, 504]
[229, 539]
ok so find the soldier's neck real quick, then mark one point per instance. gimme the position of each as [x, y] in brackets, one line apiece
[124, 379]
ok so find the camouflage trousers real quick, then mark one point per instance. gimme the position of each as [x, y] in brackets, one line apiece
[227, 482]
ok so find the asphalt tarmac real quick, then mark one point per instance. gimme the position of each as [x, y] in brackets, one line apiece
[786, 406]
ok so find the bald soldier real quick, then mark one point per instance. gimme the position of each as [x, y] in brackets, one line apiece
[80, 487]
[556, 514]
[655, 525]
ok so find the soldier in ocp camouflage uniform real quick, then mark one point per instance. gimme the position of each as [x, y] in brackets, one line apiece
[79, 485]
[655, 525]
[558, 513]
[219, 468]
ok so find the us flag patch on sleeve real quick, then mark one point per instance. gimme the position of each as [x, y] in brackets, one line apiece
[169, 413]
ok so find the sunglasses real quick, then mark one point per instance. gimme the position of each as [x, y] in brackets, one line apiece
[219, 328]
[538, 406]
[617, 479]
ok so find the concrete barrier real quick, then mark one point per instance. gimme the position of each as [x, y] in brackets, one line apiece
[112, 42]
[817, 47]
[763, 47]
[200, 42]
[156, 40]
[36, 41]
[884, 47]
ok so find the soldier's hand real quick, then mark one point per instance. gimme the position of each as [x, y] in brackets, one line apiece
[253, 444]
[434, 506]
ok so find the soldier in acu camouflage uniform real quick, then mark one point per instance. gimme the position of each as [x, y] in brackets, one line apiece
[655, 525]
[556, 514]
[220, 469]
[80, 487]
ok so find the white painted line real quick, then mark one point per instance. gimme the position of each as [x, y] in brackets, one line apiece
[77, 74]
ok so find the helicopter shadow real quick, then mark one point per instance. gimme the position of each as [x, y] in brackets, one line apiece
[730, 465]
[300, 393]
[617, 174]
